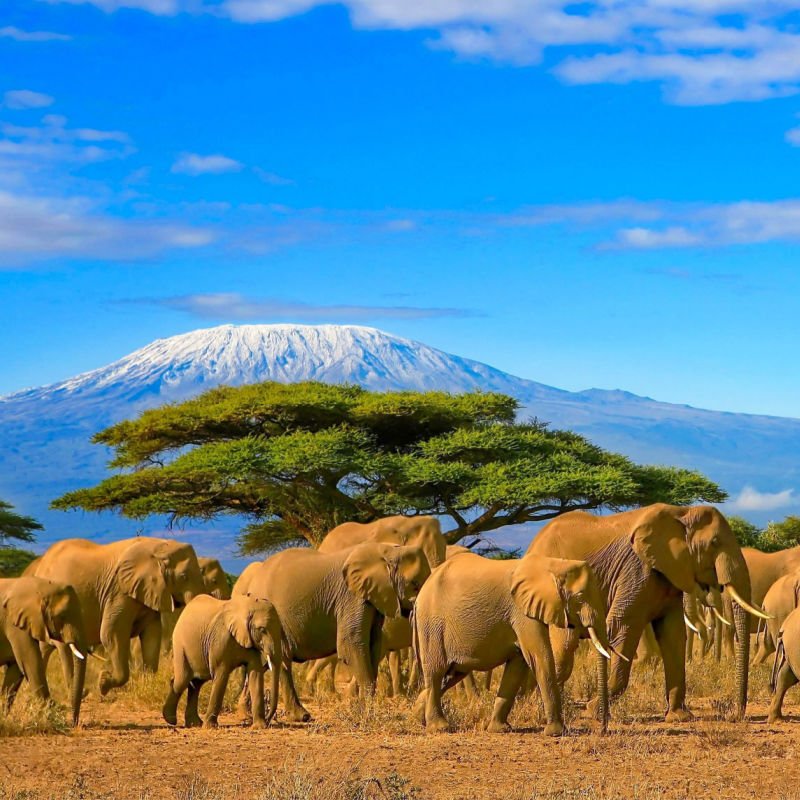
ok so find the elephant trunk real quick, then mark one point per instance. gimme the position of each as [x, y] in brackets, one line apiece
[732, 573]
[602, 691]
[78, 681]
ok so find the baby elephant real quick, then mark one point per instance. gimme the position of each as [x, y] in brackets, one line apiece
[214, 637]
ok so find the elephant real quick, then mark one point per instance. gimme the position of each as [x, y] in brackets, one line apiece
[782, 598]
[477, 613]
[787, 664]
[214, 578]
[644, 560]
[213, 637]
[123, 589]
[33, 611]
[396, 638]
[764, 569]
[336, 603]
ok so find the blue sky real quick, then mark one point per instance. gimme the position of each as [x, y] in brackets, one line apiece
[595, 194]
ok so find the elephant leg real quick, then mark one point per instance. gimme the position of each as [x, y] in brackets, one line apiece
[488, 680]
[12, 680]
[535, 644]
[670, 633]
[413, 674]
[255, 681]
[118, 649]
[295, 710]
[244, 706]
[717, 641]
[470, 687]
[689, 645]
[784, 681]
[396, 672]
[150, 641]
[177, 686]
[191, 715]
[435, 720]
[513, 675]
[28, 658]
[218, 686]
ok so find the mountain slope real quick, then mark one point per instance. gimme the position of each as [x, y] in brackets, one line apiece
[45, 431]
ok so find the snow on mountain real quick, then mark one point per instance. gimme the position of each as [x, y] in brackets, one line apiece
[45, 431]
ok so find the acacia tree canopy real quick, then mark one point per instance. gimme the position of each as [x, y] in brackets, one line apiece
[16, 526]
[298, 459]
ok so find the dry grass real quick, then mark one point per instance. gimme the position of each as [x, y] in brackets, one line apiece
[29, 715]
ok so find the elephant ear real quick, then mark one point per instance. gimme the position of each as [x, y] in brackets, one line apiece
[237, 620]
[25, 610]
[367, 576]
[537, 586]
[660, 542]
[141, 575]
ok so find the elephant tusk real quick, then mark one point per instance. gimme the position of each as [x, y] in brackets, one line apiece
[596, 642]
[689, 624]
[721, 618]
[99, 658]
[756, 612]
[172, 601]
[618, 654]
[269, 663]
[77, 653]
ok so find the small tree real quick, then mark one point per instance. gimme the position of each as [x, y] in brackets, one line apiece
[746, 533]
[298, 459]
[19, 528]
[780, 535]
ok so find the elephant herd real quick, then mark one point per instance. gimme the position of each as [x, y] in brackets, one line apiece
[372, 590]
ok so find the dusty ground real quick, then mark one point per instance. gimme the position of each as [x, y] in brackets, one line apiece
[352, 751]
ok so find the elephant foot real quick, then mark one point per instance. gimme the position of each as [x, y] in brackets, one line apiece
[775, 717]
[104, 685]
[679, 715]
[496, 726]
[419, 708]
[210, 724]
[554, 729]
[170, 716]
[193, 722]
[258, 724]
[437, 725]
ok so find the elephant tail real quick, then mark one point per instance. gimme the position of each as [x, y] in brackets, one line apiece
[415, 649]
[780, 660]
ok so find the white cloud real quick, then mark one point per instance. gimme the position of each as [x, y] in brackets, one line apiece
[25, 98]
[750, 499]
[10, 32]
[234, 306]
[700, 51]
[194, 164]
[41, 228]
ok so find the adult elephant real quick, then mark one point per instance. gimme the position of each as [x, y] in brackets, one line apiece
[765, 569]
[422, 531]
[336, 603]
[644, 561]
[34, 611]
[478, 613]
[214, 578]
[123, 589]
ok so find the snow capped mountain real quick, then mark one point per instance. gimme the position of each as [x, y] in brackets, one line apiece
[45, 431]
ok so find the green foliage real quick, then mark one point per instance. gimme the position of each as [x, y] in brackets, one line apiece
[746, 533]
[780, 535]
[296, 460]
[16, 526]
[13, 561]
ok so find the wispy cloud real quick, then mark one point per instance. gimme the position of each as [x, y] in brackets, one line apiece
[19, 35]
[25, 98]
[716, 51]
[35, 229]
[195, 164]
[234, 306]
[750, 499]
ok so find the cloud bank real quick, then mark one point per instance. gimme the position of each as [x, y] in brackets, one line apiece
[750, 499]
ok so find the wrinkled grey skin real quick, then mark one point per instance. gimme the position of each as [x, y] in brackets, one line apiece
[214, 578]
[34, 611]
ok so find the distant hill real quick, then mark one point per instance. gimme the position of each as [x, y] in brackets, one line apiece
[45, 431]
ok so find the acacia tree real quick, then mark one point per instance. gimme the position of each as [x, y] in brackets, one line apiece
[20, 528]
[295, 460]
